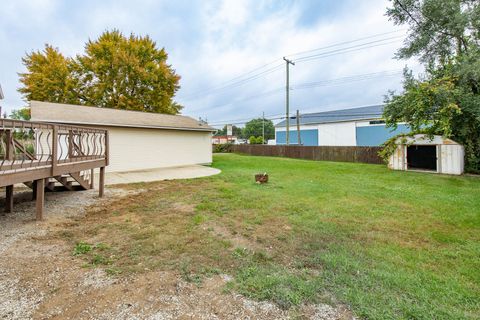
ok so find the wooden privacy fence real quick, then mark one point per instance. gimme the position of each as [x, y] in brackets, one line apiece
[321, 153]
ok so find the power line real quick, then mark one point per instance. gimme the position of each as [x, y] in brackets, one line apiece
[234, 84]
[348, 79]
[307, 116]
[357, 47]
[305, 59]
[233, 79]
[323, 83]
[344, 42]
[237, 81]
[312, 114]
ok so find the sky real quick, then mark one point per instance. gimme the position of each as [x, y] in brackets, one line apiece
[228, 52]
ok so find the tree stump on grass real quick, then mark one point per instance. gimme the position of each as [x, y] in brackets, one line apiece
[261, 178]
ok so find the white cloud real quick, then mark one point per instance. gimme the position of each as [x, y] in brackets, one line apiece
[212, 42]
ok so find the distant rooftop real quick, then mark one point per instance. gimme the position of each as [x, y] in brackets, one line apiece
[361, 113]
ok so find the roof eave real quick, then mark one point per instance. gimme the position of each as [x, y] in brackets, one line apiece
[323, 122]
[128, 126]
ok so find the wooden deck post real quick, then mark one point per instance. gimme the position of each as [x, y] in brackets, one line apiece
[92, 178]
[9, 199]
[40, 192]
[101, 184]
[9, 147]
[34, 191]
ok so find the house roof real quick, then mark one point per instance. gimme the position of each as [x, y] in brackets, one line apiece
[361, 113]
[84, 115]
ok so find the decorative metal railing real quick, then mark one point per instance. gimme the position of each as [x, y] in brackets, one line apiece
[27, 145]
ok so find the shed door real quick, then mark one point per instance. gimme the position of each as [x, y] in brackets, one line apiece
[422, 157]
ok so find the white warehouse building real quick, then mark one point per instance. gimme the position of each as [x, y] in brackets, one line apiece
[361, 126]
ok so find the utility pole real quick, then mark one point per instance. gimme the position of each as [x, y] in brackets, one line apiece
[299, 141]
[263, 127]
[287, 100]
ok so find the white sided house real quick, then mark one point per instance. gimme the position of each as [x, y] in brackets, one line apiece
[435, 154]
[137, 140]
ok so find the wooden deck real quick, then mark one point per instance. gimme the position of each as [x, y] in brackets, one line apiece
[46, 156]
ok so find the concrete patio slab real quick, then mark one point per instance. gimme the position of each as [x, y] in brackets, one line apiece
[158, 174]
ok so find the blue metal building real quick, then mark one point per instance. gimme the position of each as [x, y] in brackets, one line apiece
[361, 126]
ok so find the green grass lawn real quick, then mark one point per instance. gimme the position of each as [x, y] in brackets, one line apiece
[388, 244]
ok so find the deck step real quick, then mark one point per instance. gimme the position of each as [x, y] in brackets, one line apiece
[65, 182]
[84, 183]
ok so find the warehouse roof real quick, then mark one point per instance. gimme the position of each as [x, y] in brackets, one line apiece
[75, 114]
[361, 113]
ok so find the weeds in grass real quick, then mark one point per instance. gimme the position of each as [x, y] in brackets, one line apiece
[81, 248]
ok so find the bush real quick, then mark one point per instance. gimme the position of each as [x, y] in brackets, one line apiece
[255, 140]
[222, 148]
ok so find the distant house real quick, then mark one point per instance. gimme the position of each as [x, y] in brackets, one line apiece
[137, 140]
[361, 126]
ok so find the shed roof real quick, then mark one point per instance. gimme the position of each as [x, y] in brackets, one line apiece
[75, 114]
[424, 139]
[361, 113]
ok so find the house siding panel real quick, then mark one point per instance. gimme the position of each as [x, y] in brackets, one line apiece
[139, 149]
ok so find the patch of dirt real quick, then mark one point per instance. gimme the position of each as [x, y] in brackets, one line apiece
[237, 240]
[41, 279]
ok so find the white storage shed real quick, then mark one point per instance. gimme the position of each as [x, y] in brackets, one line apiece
[423, 153]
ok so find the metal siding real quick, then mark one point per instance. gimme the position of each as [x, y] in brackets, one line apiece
[376, 135]
[337, 134]
[452, 159]
[308, 137]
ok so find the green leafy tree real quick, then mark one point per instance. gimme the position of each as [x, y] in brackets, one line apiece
[21, 114]
[115, 71]
[254, 128]
[445, 35]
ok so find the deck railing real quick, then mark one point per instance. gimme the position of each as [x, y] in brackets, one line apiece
[28, 146]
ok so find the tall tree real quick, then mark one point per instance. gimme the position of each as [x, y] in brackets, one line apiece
[49, 77]
[445, 35]
[115, 71]
[254, 128]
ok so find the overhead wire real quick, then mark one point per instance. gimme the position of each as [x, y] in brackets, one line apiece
[236, 81]
[323, 83]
